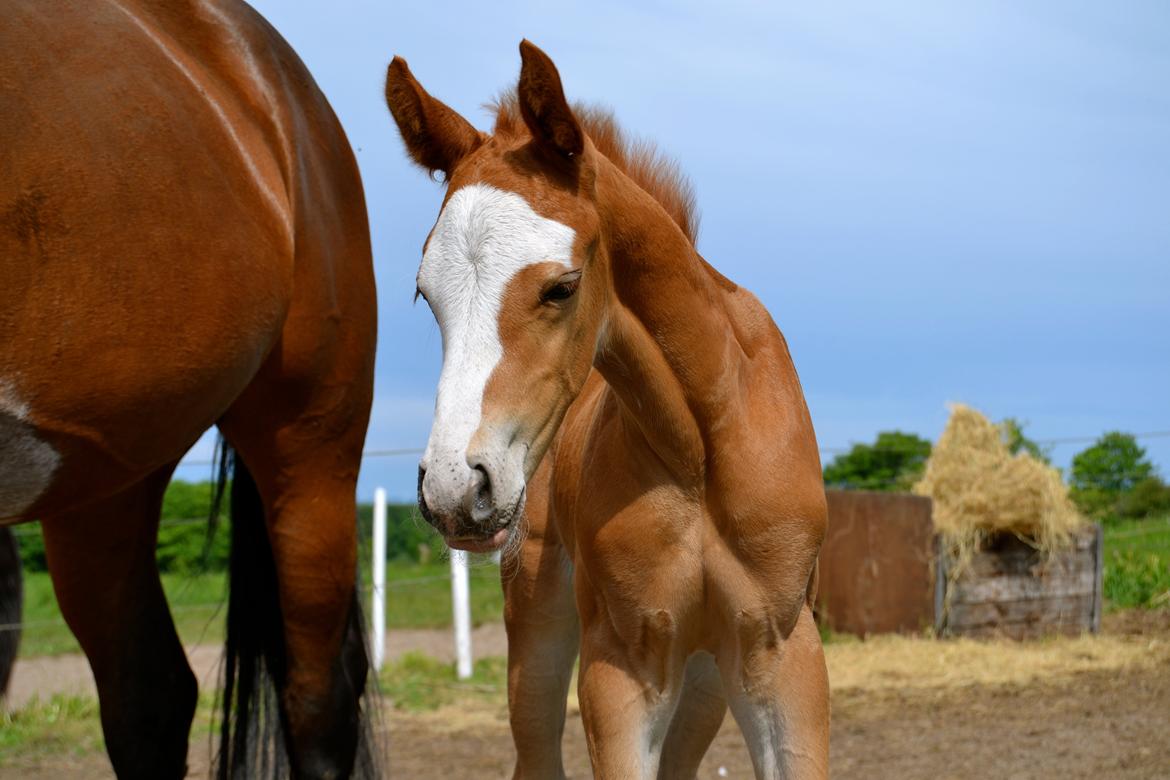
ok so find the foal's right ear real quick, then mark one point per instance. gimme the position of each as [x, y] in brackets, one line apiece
[436, 136]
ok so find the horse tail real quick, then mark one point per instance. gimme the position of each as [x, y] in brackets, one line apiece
[10, 604]
[252, 729]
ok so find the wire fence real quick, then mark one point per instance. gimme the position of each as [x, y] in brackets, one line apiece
[478, 572]
[401, 451]
[481, 573]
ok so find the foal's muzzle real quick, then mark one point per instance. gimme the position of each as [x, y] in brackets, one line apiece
[464, 507]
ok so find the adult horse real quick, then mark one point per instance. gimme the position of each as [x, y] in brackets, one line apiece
[629, 422]
[183, 242]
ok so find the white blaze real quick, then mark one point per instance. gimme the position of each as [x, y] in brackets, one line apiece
[483, 237]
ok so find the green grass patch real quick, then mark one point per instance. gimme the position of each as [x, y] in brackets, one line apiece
[71, 726]
[1137, 563]
[59, 725]
[418, 595]
[418, 682]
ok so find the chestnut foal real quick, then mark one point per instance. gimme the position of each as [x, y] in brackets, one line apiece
[628, 424]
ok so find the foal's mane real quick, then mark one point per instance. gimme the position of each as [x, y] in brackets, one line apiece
[649, 168]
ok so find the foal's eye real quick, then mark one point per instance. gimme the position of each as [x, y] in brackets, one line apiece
[563, 289]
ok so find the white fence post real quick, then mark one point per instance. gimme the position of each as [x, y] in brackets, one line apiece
[461, 603]
[378, 639]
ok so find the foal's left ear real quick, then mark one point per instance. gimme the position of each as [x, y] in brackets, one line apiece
[543, 104]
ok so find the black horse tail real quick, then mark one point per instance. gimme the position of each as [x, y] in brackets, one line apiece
[253, 726]
[10, 604]
[252, 729]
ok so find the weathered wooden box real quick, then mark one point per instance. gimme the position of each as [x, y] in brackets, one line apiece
[1011, 589]
[882, 571]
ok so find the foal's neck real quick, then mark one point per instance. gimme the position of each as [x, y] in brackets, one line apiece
[668, 348]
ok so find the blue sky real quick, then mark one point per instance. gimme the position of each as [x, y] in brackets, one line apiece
[936, 201]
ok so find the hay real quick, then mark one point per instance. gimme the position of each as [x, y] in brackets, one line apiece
[889, 662]
[981, 490]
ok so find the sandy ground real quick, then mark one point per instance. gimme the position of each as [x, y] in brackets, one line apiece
[902, 708]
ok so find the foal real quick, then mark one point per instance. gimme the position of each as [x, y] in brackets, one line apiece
[629, 424]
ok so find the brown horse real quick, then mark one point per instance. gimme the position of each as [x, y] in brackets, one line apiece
[183, 242]
[629, 423]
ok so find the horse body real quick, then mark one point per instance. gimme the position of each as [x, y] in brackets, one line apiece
[183, 242]
[685, 488]
[673, 508]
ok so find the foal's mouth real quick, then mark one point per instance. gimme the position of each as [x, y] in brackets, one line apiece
[493, 540]
[480, 544]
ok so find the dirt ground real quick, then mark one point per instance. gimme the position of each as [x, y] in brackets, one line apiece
[1090, 707]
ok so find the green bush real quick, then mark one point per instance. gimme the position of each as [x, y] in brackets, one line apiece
[1151, 496]
[1106, 474]
[183, 544]
[1011, 430]
[1134, 578]
[894, 462]
[408, 537]
[182, 533]
[32, 547]
[183, 540]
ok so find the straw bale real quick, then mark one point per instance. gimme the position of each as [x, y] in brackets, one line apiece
[980, 489]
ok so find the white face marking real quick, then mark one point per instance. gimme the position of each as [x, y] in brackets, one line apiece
[27, 464]
[483, 237]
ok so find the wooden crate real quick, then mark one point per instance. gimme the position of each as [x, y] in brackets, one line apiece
[877, 564]
[881, 570]
[1012, 590]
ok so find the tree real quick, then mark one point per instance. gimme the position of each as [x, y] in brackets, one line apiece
[1013, 437]
[183, 543]
[1106, 472]
[1151, 496]
[892, 463]
[408, 537]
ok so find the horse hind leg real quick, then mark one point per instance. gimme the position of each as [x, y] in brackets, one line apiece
[102, 563]
[297, 522]
[700, 712]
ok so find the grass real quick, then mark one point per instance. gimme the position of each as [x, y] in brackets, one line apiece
[195, 605]
[71, 726]
[418, 596]
[417, 682]
[1137, 563]
[61, 725]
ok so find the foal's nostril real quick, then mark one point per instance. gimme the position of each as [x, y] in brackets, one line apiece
[481, 493]
[422, 499]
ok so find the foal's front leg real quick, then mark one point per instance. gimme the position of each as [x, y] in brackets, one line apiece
[779, 695]
[543, 632]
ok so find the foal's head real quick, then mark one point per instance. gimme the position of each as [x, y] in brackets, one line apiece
[508, 271]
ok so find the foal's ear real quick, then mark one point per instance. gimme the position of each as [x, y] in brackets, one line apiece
[543, 104]
[436, 136]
